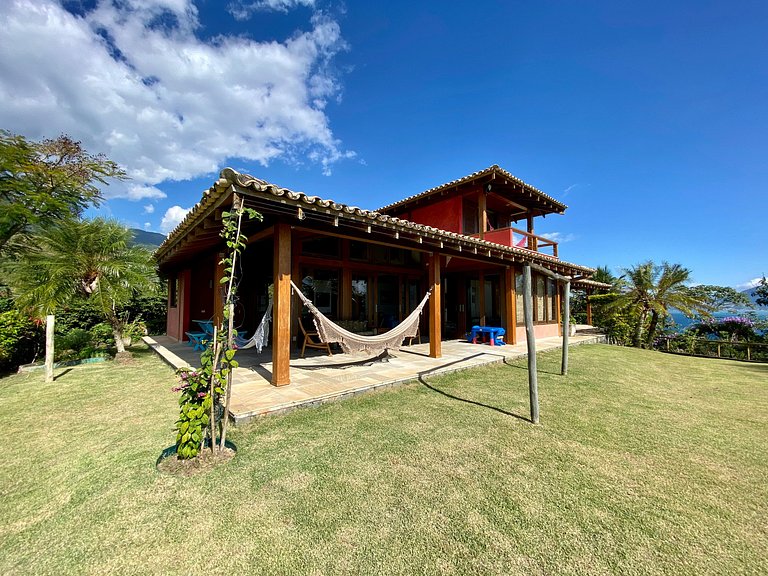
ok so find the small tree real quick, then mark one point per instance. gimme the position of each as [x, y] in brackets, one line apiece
[722, 297]
[201, 405]
[44, 182]
[83, 258]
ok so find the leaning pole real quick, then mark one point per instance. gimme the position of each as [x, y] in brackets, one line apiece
[566, 324]
[533, 386]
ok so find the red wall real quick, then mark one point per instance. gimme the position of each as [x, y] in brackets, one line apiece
[444, 214]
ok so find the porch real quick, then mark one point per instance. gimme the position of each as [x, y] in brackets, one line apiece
[320, 378]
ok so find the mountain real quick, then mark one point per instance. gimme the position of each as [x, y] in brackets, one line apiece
[151, 239]
[750, 292]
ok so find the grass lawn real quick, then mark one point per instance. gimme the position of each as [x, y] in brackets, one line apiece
[644, 463]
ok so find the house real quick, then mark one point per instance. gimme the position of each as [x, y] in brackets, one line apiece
[370, 268]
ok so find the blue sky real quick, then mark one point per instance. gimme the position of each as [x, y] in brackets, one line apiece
[647, 119]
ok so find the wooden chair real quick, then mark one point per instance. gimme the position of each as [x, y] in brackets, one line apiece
[410, 339]
[312, 340]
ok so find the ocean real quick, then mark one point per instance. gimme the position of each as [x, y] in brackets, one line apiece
[682, 322]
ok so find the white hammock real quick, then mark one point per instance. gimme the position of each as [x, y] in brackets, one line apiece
[260, 337]
[351, 342]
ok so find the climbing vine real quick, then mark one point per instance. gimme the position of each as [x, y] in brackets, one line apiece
[202, 390]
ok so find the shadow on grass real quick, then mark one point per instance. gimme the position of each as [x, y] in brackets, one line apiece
[510, 362]
[423, 382]
[63, 373]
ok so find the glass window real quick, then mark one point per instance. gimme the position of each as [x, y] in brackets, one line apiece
[520, 313]
[471, 225]
[173, 291]
[327, 246]
[551, 299]
[360, 298]
[322, 287]
[540, 297]
[358, 250]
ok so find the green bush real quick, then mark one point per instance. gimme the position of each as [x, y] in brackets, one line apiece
[102, 337]
[21, 340]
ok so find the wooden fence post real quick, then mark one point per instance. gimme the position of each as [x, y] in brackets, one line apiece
[49, 321]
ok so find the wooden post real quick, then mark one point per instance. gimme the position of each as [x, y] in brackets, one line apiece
[511, 304]
[532, 244]
[281, 315]
[218, 288]
[566, 325]
[533, 385]
[435, 307]
[589, 307]
[49, 321]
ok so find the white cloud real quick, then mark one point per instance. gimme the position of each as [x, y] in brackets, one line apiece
[160, 101]
[172, 217]
[749, 283]
[559, 237]
[242, 9]
[149, 209]
[147, 225]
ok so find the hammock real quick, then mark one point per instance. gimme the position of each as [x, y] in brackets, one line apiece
[355, 343]
[260, 337]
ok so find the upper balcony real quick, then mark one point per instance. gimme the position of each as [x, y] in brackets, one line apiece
[520, 239]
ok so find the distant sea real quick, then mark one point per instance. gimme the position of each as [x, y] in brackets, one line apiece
[682, 322]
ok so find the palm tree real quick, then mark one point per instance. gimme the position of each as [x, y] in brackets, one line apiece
[83, 258]
[652, 290]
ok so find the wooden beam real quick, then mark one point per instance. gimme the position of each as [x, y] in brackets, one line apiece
[589, 306]
[566, 326]
[548, 272]
[533, 385]
[266, 233]
[218, 300]
[435, 307]
[281, 315]
[482, 215]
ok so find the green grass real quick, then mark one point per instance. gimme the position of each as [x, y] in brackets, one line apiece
[644, 464]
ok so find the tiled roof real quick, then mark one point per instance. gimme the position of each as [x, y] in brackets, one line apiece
[229, 178]
[495, 169]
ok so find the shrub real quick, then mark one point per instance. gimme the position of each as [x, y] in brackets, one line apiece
[21, 339]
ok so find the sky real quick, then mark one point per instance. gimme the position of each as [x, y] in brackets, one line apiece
[648, 119]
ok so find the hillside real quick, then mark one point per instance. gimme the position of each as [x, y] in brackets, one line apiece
[152, 239]
[750, 292]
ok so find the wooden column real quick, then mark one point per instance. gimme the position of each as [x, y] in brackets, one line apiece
[533, 385]
[566, 326]
[281, 314]
[532, 244]
[510, 299]
[589, 307]
[435, 307]
[482, 215]
[218, 300]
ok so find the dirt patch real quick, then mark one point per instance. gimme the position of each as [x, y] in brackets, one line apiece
[203, 462]
[124, 358]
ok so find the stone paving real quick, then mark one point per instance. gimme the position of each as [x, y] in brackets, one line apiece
[321, 378]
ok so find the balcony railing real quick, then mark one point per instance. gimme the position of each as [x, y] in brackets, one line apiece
[519, 239]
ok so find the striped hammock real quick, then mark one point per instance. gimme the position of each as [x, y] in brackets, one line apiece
[350, 342]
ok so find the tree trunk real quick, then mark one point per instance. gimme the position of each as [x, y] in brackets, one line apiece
[117, 333]
[533, 385]
[566, 326]
[637, 337]
[49, 349]
[652, 329]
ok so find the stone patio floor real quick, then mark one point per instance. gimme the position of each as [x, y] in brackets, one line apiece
[321, 378]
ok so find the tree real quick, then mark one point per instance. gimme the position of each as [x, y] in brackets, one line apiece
[44, 182]
[722, 297]
[603, 274]
[761, 291]
[651, 290]
[83, 259]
